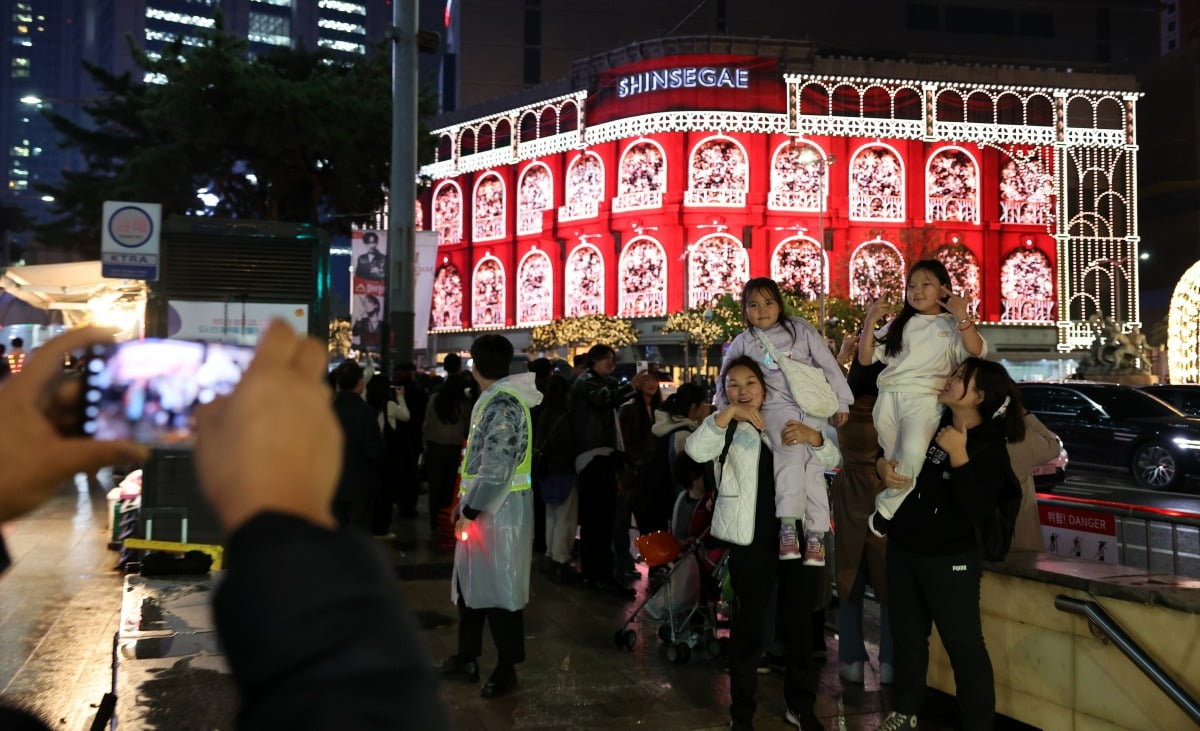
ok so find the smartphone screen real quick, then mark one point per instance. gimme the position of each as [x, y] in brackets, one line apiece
[147, 390]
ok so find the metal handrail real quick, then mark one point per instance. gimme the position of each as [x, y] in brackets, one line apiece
[1100, 618]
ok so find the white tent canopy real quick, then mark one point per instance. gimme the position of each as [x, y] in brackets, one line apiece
[79, 291]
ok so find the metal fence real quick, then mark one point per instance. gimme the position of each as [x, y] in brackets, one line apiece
[1158, 540]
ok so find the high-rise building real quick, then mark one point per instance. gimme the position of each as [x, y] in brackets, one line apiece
[45, 40]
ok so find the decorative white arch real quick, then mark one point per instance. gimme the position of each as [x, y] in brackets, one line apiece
[1183, 328]
[951, 195]
[582, 195]
[876, 189]
[489, 292]
[642, 279]
[446, 310]
[794, 267]
[584, 279]
[448, 212]
[535, 193]
[799, 182]
[713, 182]
[488, 207]
[641, 182]
[1027, 286]
[717, 264]
[877, 267]
[535, 288]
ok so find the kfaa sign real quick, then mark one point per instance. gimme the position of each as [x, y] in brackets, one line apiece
[129, 240]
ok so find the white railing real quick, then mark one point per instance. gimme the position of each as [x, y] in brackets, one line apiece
[701, 297]
[638, 200]
[801, 200]
[488, 228]
[702, 197]
[534, 313]
[575, 210]
[877, 207]
[584, 306]
[529, 222]
[1027, 310]
[1039, 213]
[946, 208]
[449, 235]
[643, 304]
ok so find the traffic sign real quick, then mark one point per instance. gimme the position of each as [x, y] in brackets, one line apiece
[129, 240]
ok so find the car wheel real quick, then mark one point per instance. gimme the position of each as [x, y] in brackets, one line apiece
[1155, 467]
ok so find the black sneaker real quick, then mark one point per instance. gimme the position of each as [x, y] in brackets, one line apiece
[502, 681]
[460, 667]
[806, 721]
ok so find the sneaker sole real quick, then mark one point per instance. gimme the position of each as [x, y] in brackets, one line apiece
[790, 556]
[814, 562]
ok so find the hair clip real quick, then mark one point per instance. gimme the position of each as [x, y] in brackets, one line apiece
[1003, 408]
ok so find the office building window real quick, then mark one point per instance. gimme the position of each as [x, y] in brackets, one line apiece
[275, 30]
[343, 7]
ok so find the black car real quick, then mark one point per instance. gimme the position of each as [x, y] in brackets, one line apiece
[1184, 398]
[1118, 426]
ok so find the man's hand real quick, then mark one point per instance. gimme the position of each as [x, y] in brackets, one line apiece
[35, 457]
[274, 444]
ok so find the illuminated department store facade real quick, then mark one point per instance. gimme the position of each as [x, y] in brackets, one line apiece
[671, 180]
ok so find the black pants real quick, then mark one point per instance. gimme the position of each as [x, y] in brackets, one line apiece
[508, 632]
[441, 471]
[755, 570]
[597, 485]
[943, 590]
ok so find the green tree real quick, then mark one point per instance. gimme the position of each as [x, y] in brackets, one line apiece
[293, 135]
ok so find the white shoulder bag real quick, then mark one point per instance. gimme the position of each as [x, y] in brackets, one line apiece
[809, 387]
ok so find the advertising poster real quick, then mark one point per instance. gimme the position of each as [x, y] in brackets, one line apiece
[230, 322]
[368, 251]
[1079, 533]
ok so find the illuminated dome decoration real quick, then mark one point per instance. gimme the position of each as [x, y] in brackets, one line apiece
[535, 289]
[643, 279]
[446, 313]
[797, 267]
[1183, 329]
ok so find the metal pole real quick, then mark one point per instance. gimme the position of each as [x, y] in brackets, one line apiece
[821, 237]
[402, 186]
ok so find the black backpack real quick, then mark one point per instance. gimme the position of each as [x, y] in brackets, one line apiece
[996, 533]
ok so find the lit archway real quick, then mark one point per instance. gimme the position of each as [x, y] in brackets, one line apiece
[1183, 329]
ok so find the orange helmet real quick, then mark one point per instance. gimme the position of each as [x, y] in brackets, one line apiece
[658, 548]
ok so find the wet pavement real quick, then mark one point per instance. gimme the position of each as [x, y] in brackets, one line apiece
[60, 607]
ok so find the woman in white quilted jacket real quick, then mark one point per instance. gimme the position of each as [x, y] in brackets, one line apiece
[744, 516]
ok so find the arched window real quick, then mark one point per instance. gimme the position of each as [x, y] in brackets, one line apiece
[447, 213]
[488, 293]
[642, 178]
[876, 184]
[1026, 190]
[798, 178]
[963, 268]
[1027, 286]
[446, 310]
[799, 265]
[643, 279]
[719, 174]
[584, 188]
[584, 280]
[952, 186]
[489, 208]
[535, 289]
[535, 194]
[717, 265]
[876, 268]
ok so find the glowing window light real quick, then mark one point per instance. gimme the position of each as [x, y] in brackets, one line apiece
[343, 7]
[163, 37]
[181, 18]
[277, 3]
[343, 46]
[340, 27]
[1183, 328]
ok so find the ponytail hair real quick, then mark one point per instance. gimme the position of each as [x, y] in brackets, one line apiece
[1001, 397]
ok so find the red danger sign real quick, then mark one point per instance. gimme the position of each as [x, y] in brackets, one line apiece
[1078, 520]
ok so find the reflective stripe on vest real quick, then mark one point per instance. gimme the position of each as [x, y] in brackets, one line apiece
[522, 477]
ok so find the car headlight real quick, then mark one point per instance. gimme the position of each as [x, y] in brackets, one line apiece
[1186, 443]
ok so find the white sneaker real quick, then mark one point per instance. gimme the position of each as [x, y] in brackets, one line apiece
[898, 722]
[852, 672]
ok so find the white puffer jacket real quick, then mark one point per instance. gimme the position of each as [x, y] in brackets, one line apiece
[737, 480]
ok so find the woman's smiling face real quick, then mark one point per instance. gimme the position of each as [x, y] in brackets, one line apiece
[743, 387]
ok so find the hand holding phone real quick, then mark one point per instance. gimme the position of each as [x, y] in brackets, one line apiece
[147, 390]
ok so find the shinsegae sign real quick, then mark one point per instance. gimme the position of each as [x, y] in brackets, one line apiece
[684, 77]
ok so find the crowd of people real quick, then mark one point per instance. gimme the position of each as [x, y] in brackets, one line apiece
[551, 469]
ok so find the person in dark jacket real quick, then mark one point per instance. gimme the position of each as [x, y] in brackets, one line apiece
[554, 474]
[933, 554]
[444, 433]
[596, 396]
[416, 398]
[362, 450]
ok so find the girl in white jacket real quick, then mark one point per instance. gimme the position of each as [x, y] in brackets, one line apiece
[744, 515]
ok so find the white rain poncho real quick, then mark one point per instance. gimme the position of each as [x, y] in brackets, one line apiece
[492, 565]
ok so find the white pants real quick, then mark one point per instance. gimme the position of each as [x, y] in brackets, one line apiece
[800, 488]
[905, 423]
[561, 520]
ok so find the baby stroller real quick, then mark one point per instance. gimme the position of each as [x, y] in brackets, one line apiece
[686, 602]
